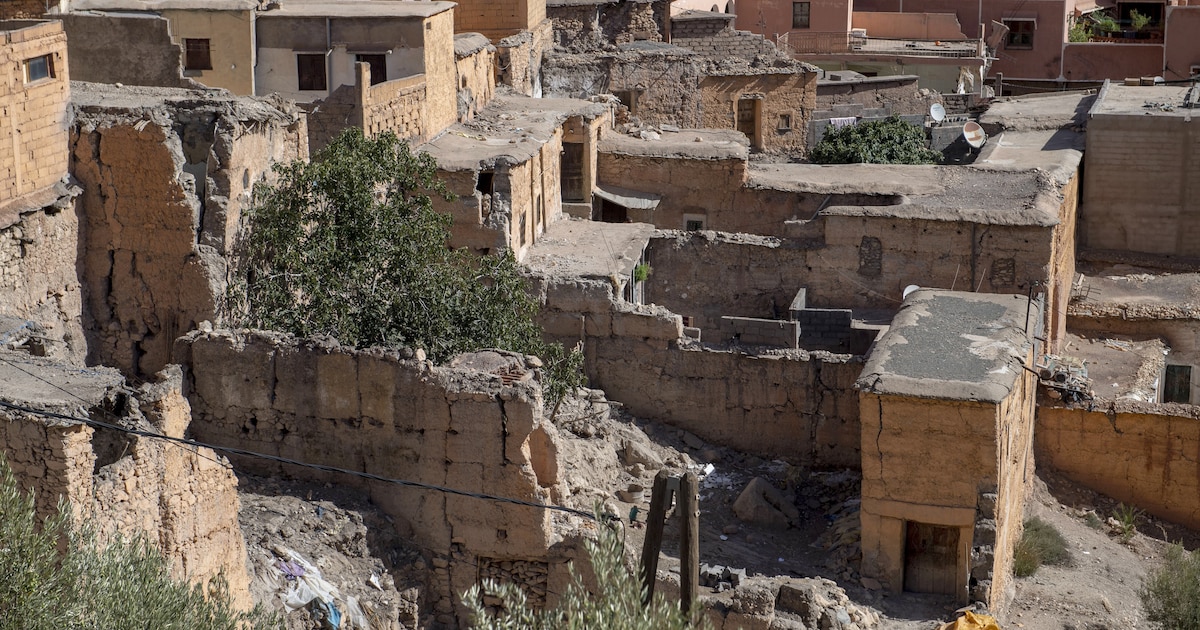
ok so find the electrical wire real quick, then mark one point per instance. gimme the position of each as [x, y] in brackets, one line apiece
[284, 460]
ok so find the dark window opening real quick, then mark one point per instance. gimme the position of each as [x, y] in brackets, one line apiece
[310, 72]
[197, 55]
[629, 99]
[1177, 386]
[1020, 34]
[378, 65]
[694, 225]
[801, 12]
[484, 182]
[39, 68]
[523, 227]
[613, 213]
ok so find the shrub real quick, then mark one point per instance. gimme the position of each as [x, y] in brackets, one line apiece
[1170, 594]
[887, 141]
[125, 584]
[615, 605]
[1040, 544]
[349, 245]
[1127, 517]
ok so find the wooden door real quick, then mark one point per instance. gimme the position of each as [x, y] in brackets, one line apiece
[747, 118]
[572, 172]
[930, 558]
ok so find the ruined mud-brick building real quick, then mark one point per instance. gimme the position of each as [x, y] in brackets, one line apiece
[692, 70]
[947, 411]
[516, 173]
[165, 175]
[521, 33]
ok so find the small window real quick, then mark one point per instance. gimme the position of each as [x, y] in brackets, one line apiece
[310, 70]
[800, 14]
[693, 222]
[39, 68]
[1020, 34]
[196, 55]
[785, 122]
[378, 65]
[1177, 386]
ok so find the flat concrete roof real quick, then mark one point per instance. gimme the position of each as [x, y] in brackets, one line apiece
[693, 144]
[357, 8]
[510, 130]
[163, 5]
[469, 43]
[577, 248]
[1120, 368]
[1162, 101]
[1039, 112]
[43, 383]
[952, 345]
[1130, 293]
[937, 193]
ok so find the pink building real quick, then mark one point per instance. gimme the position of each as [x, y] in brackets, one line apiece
[1032, 44]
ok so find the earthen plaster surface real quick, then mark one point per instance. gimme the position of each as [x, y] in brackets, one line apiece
[953, 345]
[589, 249]
[695, 144]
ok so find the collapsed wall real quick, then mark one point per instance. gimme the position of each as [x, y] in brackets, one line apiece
[183, 499]
[476, 425]
[166, 174]
[789, 404]
[39, 242]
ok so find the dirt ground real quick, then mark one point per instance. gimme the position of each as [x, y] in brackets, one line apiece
[605, 452]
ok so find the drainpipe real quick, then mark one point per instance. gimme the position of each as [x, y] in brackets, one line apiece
[328, 58]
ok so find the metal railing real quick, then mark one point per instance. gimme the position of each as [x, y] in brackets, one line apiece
[798, 43]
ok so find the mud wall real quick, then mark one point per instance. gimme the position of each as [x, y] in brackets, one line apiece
[474, 62]
[184, 499]
[130, 50]
[1138, 453]
[900, 95]
[784, 105]
[401, 418]
[850, 262]
[789, 404]
[163, 192]
[664, 82]
[39, 242]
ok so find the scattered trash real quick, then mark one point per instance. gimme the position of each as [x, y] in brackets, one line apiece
[374, 581]
[305, 588]
[972, 621]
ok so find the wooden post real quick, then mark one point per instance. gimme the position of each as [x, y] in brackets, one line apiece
[655, 521]
[689, 541]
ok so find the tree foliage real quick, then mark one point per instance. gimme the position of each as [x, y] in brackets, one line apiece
[616, 603]
[887, 141]
[349, 245]
[125, 584]
[1170, 594]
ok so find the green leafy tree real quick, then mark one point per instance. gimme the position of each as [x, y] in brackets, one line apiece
[1170, 594]
[349, 245]
[887, 141]
[55, 575]
[615, 604]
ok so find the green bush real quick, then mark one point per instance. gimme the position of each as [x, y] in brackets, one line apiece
[1170, 594]
[1040, 544]
[349, 246]
[887, 141]
[55, 576]
[615, 605]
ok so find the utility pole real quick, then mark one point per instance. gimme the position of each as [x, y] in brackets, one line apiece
[686, 492]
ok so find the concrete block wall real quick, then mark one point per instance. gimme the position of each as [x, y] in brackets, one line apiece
[498, 18]
[1141, 201]
[33, 130]
[761, 332]
[716, 38]
[403, 418]
[824, 326]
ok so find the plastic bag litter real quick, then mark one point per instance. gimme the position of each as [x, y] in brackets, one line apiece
[972, 621]
[306, 586]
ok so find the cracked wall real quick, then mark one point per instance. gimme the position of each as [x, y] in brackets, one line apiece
[376, 411]
[164, 186]
[1143, 454]
[183, 499]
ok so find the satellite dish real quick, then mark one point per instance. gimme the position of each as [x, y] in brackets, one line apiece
[974, 134]
[909, 289]
[937, 112]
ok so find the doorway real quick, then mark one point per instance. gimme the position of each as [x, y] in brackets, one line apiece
[747, 118]
[930, 558]
[572, 172]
